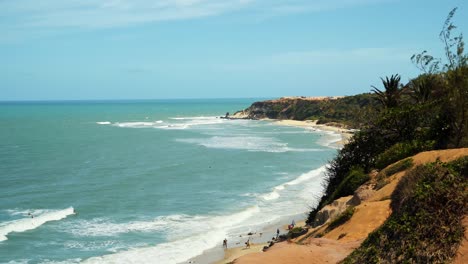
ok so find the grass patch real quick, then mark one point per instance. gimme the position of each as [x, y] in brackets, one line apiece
[425, 226]
[355, 178]
[296, 232]
[402, 150]
[341, 219]
[399, 166]
[382, 177]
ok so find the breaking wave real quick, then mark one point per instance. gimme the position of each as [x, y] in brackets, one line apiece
[25, 224]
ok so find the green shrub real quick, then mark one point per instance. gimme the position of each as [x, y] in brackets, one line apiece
[296, 232]
[355, 178]
[341, 219]
[425, 226]
[395, 168]
[400, 151]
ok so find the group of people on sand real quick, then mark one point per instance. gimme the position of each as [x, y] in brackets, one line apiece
[248, 243]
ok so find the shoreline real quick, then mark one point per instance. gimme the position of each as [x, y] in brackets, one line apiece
[219, 255]
[345, 133]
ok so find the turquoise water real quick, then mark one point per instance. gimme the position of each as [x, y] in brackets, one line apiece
[150, 181]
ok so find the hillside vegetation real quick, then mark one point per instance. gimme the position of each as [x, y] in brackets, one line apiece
[416, 204]
[425, 226]
[348, 110]
[429, 112]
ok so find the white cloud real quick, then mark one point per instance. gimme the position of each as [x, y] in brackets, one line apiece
[29, 19]
[319, 58]
[108, 13]
[46, 14]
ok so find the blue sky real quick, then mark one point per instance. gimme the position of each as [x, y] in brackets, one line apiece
[143, 49]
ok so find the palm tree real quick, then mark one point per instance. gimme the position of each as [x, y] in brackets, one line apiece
[421, 88]
[391, 96]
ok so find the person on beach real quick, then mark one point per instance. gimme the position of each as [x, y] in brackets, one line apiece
[247, 244]
[277, 233]
[293, 223]
[225, 243]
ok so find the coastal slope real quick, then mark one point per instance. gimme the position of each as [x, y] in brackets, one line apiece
[331, 243]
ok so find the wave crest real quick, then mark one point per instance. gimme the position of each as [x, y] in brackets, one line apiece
[25, 224]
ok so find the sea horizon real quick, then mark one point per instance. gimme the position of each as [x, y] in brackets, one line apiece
[134, 100]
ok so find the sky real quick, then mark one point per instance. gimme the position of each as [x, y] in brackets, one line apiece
[164, 49]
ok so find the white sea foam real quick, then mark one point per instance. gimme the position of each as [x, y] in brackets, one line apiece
[135, 124]
[195, 122]
[94, 245]
[190, 236]
[103, 123]
[249, 143]
[171, 252]
[175, 223]
[68, 261]
[104, 227]
[305, 177]
[25, 224]
[26, 212]
[317, 173]
[181, 123]
[19, 261]
[329, 139]
[195, 118]
[279, 187]
[245, 143]
[271, 196]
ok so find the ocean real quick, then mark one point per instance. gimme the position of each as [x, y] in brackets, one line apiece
[149, 181]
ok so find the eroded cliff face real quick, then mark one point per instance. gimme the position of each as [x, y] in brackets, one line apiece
[296, 108]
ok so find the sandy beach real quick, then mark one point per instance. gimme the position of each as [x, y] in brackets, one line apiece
[346, 134]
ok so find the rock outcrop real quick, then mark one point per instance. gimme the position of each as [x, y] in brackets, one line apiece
[363, 193]
[332, 210]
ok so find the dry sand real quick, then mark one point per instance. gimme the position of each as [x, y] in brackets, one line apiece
[319, 250]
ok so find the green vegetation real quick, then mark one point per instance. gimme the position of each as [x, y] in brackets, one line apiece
[341, 219]
[430, 112]
[350, 110]
[355, 178]
[395, 168]
[425, 226]
[400, 151]
[296, 232]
